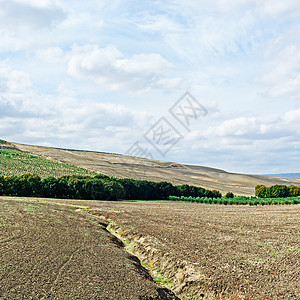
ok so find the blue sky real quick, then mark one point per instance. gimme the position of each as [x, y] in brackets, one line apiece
[98, 75]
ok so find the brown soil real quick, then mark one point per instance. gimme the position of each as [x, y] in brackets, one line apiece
[55, 252]
[144, 169]
[212, 251]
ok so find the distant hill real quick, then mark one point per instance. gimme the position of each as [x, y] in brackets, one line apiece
[122, 166]
[286, 175]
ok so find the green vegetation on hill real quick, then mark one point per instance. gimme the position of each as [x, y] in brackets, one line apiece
[16, 162]
[8, 146]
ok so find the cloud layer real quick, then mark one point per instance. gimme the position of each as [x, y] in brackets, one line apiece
[99, 75]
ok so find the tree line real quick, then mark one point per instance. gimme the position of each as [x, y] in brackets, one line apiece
[99, 187]
[277, 191]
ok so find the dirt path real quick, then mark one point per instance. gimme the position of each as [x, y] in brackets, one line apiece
[53, 252]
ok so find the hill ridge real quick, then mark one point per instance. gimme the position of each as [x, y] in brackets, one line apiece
[122, 166]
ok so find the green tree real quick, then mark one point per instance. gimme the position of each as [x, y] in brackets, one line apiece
[94, 189]
[279, 191]
[294, 191]
[113, 190]
[229, 195]
[261, 191]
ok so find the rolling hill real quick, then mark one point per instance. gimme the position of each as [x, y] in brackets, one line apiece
[145, 169]
[14, 161]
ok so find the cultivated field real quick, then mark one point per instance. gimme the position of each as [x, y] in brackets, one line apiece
[13, 161]
[215, 251]
[53, 252]
[200, 251]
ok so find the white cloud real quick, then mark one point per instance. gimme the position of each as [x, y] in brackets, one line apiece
[277, 8]
[108, 68]
[142, 64]
[248, 129]
[37, 3]
[89, 59]
[13, 81]
[273, 8]
[76, 75]
[292, 117]
[258, 144]
[236, 127]
[69, 122]
[25, 14]
[51, 55]
[198, 32]
[158, 23]
[283, 75]
[64, 119]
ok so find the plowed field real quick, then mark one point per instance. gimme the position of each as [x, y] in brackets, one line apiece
[60, 250]
[53, 252]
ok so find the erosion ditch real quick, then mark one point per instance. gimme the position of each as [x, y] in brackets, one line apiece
[183, 278]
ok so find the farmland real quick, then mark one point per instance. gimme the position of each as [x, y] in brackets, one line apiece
[16, 162]
[237, 252]
[197, 250]
[185, 246]
[53, 252]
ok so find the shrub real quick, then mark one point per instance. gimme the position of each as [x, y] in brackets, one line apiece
[225, 201]
[229, 195]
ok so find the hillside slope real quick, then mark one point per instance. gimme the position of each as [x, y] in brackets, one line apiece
[146, 169]
[14, 161]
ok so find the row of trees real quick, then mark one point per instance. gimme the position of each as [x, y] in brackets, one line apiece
[277, 191]
[68, 187]
[99, 187]
[148, 190]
